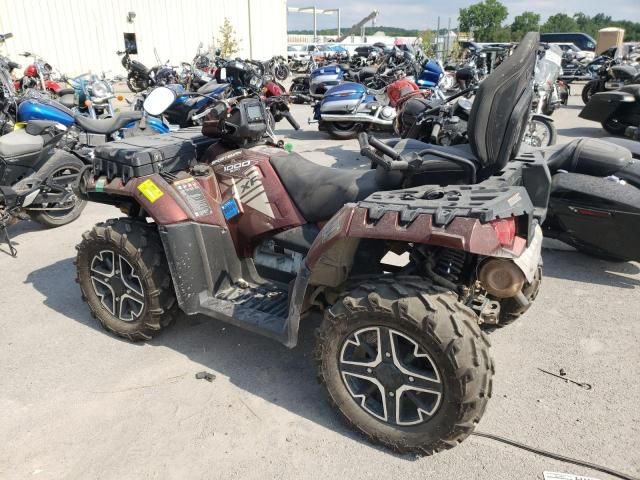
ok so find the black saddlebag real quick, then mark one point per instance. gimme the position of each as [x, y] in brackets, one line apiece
[599, 213]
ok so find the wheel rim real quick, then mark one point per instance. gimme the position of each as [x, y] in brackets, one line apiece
[390, 376]
[117, 285]
[537, 134]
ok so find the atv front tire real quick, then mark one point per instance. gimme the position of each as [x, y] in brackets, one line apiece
[405, 364]
[124, 278]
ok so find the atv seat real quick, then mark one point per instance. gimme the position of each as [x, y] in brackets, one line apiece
[105, 126]
[596, 158]
[19, 142]
[319, 192]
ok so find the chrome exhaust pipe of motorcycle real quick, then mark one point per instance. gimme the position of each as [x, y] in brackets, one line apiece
[357, 118]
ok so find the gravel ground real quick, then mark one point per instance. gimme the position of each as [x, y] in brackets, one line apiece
[78, 403]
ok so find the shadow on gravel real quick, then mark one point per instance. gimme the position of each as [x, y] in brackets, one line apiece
[573, 265]
[263, 367]
[594, 132]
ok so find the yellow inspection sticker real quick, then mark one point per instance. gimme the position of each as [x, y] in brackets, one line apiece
[150, 190]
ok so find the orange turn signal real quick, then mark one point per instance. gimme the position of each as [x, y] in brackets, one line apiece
[88, 103]
[120, 98]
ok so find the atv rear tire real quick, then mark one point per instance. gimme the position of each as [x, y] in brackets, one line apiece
[343, 130]
[125, 280]
[434, 362]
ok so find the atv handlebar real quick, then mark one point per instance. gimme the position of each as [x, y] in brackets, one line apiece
[367, 145]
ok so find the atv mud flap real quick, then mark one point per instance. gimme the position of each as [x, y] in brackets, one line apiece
[531, 258]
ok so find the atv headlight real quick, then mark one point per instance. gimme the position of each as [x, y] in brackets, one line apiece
[100, 89]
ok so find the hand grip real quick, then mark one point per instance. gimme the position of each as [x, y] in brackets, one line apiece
[291, 120]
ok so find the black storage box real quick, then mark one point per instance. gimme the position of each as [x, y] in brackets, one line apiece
[145, 155]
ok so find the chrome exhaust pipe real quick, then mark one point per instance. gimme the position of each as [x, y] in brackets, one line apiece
[356, 118]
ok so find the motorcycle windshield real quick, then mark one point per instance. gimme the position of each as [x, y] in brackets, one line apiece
[548, 68]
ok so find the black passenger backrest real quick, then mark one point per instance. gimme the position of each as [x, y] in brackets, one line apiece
[501, 108]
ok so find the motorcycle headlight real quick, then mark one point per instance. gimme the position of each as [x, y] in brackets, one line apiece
[100, 89]
[255, 81]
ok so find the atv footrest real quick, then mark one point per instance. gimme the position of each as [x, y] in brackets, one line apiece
[260, 308]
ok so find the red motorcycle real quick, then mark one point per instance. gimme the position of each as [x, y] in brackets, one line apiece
[37, 75]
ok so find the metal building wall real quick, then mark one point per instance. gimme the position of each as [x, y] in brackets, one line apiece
[77, 36]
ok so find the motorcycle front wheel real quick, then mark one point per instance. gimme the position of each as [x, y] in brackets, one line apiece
[589, 90]
[343, 130]
[136, 84]
[281, 72]
[539, 132]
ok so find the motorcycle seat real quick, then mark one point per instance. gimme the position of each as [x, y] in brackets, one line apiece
[594, 157]
[68, 100]
[319, 192]
[65, 91]
[105, 126]
[18, 143]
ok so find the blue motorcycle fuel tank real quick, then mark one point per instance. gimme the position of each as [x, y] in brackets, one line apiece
[430, 75]
[32, 109]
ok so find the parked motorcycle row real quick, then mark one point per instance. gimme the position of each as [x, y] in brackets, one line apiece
[220, 219]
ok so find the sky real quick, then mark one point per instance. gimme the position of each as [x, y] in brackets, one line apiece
[422, 14]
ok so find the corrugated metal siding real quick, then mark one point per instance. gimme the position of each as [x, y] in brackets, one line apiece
[77, 36]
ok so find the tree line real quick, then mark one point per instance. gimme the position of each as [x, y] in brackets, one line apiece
[486, 20]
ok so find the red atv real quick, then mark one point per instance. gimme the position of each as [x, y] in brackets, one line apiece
[259, 237]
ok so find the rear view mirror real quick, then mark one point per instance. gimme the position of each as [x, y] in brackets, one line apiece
[159, 100]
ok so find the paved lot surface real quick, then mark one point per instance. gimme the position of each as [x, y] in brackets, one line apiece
[78, 403]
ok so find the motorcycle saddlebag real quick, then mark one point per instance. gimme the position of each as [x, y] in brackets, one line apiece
[144, 155]
[599, 213]
[603, 104]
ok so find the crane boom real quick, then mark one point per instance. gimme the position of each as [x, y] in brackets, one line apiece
[358, 26]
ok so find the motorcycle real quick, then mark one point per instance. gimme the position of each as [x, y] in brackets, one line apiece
[38, 75]
[259, 238]
[431, 74]
[92, 95]
[140, 78]
[611, 75]
[8, 97]
[615, 110]
[35, 106]
[29, 159]
[595, 196]
[314, 85]
[350, 108]
[277, 67]
[459, 76]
